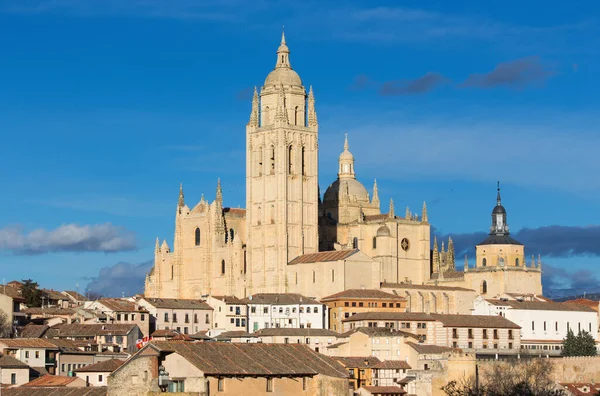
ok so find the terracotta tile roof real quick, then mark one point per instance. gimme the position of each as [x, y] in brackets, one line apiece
[51, 380]
[429, 349]
[334, 255]
[448, 275]
[384, 390]
[118, 305]
[393, 365]
[10, 362]
[75, 295]
[358, 361]
[228, 335]
[54, 295]
[363, 293]
[295, 332]
[422, 287]
[27, 343]
[201, 335]
[164, 333]
[229, 299]
[49, 311]
[32, 331]
[379, 332]
[279, 299]
[233, 359]
[11, 292]
[88, 330]
[53, 391]
[478, 321]
[238, 212]
[542, 305]
[72, 346]
[175, 303]
[106, 366]
[409, 316]
[335, 346]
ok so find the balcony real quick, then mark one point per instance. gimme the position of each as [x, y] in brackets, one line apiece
[50, 361]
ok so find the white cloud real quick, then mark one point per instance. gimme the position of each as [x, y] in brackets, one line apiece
[121, 278]
[105, 238]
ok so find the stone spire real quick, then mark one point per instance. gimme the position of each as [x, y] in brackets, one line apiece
[312, 113]
[466, 263]
[391, 213]
[436, 256]
[181, 202]
[498, 199]
[443, 256]
[283, 54]
[424, 217]
[532, 261]
[375, 193]
[450, 255]
[539, 263]
[408, 215]
[281, 112]
[219, 196]
[346, 162]
[254, 113]
[157, 247]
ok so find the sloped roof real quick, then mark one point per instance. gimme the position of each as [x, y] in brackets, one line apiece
[54, 295]
[32, 331]
[429, 349]
[279, 299]
[389, 316]
[75, 295]
[479, 321]
[48, 311]
[384, 390]
[118, 305]
[51, 380]
[334, 255]
[229, 299]
[11, 292]
[228, 335]
[10, 362]
[175, 303]
[107, 366]
[76, 329]
[239, 212]
[542, 305]
[280, 331]
[27, 343]
[357, 361]
[363, 293]
[379, 332]
[217, 358]
[393, 365]
[54, 391]
[72, 346]
[499, 240]
[584, 301]
[452, 274]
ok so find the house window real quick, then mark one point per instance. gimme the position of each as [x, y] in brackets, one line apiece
[195, 318]
[222, 267]
[142, 317]
[470, 333]
[483, 287]
[485, 336]
[269, 384]
[307, 309]
[495, 334]
[314, 277]
[172, 272]
[118, 317]
[355, 243]
[197, 237]
[220, 385]
[374, 242]
[126, 316]
[174, 317]
[166, 316]
[517, 262]
[484, 262]
[26, 354]
[316, 310]
[176, 386]
[99, 377]
[332, 275]
[231, 234]
[532, 325]
[37, 354]
[187, 318]
[13, 379]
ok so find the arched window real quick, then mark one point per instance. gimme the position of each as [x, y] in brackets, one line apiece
[172, 272]
[346, 168]
[355, 243]
[307, 309]
[484, 262]
[197, 236]
[290, 160]
[517, 262]
[272, 158]
[332, 275]
[267, 114]
[483, 287]
[303, 161]
[374, 242]
[222, 267]
[244, 261]
[296, 115]
[231, 234]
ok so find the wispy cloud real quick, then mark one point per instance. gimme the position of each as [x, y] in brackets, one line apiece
[121, 278]
[513, 74]
[549, 241]
[105, 238]
[419, 85]
[559, 282]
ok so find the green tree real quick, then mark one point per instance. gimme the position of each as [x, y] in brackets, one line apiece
[582, 344]
[31, 293]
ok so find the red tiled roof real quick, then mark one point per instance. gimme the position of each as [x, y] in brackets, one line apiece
[477, 321]
[51, 380]
[118, 305]
[429, 349]
[32, 331]
[233, 359]
[579, 389]
[334, 255]
[279, 299]
[306, 332]
[48, 311]
[235, 211]
[11, 292]
[75, 295]
[385, 390]
[107, 366]
[54, 391]
[358, 361]
[363, 293]
[584, 301]
[421, 316]
[543, 305]
[80, 330]
[229, 299]
[393, 365]
[176, 303]
[10, 362]
[382, 216]
[27, 343]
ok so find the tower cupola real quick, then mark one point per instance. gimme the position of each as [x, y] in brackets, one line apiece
[346, 162]
[499, 225]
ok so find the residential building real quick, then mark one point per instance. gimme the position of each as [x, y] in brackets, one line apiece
[97, 374]
[349, 302]
[381, 391]
[35, 352]
[75, 298]
[544, 324]
[13, 372]
[55, 381]
[46, 315]
[229, 369]
[390, 373]
[108, 337]
[184, 316]
[433, 298]
[360, 369]
[73, 354]
[229, 314]
[121, 311]
[316, 339]
[10, 303]
[54, 299]
[285, 310]
[7, 308]
[419, 324]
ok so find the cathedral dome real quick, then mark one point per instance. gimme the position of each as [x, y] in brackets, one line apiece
[383, 231]
[285, 76]
[350, 186]
[499, 209]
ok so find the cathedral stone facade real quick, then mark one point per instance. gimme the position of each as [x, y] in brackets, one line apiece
[288, 240]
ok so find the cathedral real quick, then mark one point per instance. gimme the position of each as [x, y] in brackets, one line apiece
[289, 240]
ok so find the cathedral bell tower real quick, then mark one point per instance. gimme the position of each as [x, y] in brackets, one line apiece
[281, 176]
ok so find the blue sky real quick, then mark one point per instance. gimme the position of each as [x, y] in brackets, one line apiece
[106, 106]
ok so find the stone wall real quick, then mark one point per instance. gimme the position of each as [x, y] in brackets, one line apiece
[136, 378]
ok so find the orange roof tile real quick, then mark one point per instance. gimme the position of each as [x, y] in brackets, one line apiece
[334, 255]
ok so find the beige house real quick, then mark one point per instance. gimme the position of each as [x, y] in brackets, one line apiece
[108, 337]
[433, 298]
[121, 311]
[75, 298]
[97, 374]
[229, 369]
[229, 314]
[316, 339]
[35, 352]
[13, 372]
[184, 316]
[360, 369]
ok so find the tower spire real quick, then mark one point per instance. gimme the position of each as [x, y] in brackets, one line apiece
[346, 142]
[391, 213]
[375, 193]
[219, 197]
[181, 202]
[254, 113]
[436, 255]
[498, 199]
[312, 113]
[424, 216]
[281, 112]
[283, 54]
